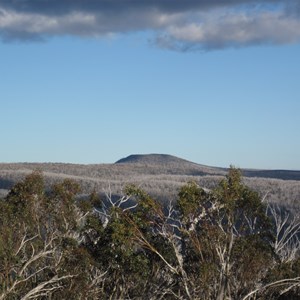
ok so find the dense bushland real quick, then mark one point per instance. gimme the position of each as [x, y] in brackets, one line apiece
[225, 243]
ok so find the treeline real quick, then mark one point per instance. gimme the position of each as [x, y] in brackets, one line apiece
[226, 243]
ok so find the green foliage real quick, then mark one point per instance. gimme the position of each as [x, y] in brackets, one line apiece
[95, 200]
[191, 201]
[210, 245]
[38, 239]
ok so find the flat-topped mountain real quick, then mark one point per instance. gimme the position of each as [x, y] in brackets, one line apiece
[152, 159]
[185, 167]
[168, 164]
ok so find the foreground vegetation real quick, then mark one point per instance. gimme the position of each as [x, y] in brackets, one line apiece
[222, 244]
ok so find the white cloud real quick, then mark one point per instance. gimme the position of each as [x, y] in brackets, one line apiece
[43, 24]
[232, 29]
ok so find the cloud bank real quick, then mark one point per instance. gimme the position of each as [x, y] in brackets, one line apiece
[177, 24]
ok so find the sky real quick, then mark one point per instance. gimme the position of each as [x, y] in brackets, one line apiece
[211, 81]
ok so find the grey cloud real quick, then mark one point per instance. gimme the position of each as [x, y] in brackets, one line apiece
[115, 6]
[179, 24]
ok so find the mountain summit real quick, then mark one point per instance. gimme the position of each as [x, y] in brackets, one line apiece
[152, 159]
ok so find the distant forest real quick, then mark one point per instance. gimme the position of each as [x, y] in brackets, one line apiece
[161, 176]
[217, 243]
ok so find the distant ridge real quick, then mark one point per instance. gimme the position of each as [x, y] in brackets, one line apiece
[161, 175]
[182, 166]
[153, 158]
[277, 174]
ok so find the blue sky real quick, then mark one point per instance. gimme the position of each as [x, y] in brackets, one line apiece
[97, 95]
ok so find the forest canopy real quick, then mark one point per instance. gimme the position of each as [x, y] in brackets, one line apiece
[226, 243]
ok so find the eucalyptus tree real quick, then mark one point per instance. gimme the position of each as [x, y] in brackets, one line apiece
[40, 252]
[223, 243]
